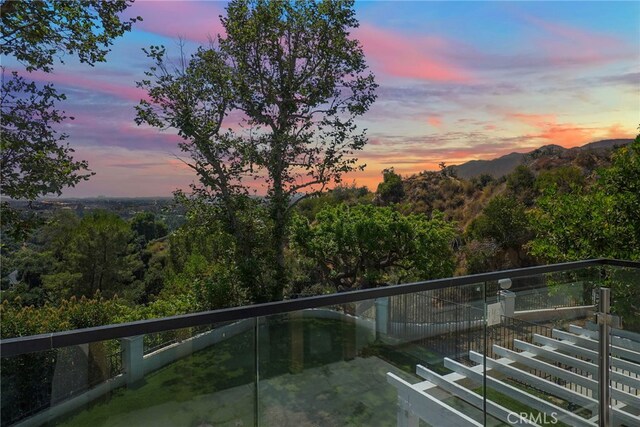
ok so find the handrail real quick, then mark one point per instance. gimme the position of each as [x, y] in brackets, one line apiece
[28, 344]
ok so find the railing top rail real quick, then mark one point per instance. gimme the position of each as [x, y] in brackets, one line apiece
[16, 346]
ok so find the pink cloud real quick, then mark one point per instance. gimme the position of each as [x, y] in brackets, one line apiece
[410, 57]
[563, 31]
[127, 92]
[97, 130]
[393, 53]
[121, 172]
[192, 20]
[565, 44]
[435, 121]
[537, 120]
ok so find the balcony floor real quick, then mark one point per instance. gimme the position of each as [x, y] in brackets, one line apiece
[354, 392]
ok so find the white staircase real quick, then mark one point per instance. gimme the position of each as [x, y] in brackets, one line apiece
[555, 378]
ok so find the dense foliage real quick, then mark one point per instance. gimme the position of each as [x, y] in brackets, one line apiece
[609, 210]
[363, 246]
[600, 221]
[390, 190]
[339, 240]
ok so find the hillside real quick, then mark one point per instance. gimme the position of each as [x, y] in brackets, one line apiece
[461, 192]
[554, 153]
[496, 167]
[460, 200]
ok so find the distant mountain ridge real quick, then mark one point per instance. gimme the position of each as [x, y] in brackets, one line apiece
[506, 164]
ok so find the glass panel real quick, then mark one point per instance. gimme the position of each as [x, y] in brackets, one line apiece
[186, 377]
[543, 368]
[357, 364]
[624, 339]
[491, 353]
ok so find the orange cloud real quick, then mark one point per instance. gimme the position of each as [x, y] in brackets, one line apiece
[435, 121]
[411, 57]
[566, 134]
[617, 131]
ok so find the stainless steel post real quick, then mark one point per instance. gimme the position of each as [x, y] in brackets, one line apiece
[604, 327]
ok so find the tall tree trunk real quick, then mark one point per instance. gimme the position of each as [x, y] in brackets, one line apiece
[279, 209]
[279, 217]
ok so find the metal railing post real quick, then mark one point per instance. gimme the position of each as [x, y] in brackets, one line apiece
[604, 327]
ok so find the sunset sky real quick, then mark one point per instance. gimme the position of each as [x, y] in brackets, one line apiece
[458, 81]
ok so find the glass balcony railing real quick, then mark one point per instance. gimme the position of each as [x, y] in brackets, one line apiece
[518, 347]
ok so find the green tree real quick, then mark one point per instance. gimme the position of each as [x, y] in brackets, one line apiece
[503, 220]
[565, 178]
[156, 262]
[496, 238]
[486, 179]
[571, 227]
[390, 190]
[204, 261]
[298, 79]
[348, 194]
[147, 227]
[34, 159]
[206, 234]
[364, 246]
[29, 266]
[37, 257]
[521, 184]
[212, 284]
[622, 182]
[57, 233]
[603, 221]
[100, 258]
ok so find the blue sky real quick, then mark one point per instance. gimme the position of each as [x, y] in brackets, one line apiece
[458, 81]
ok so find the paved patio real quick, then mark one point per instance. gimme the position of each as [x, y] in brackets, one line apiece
[344, 393]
